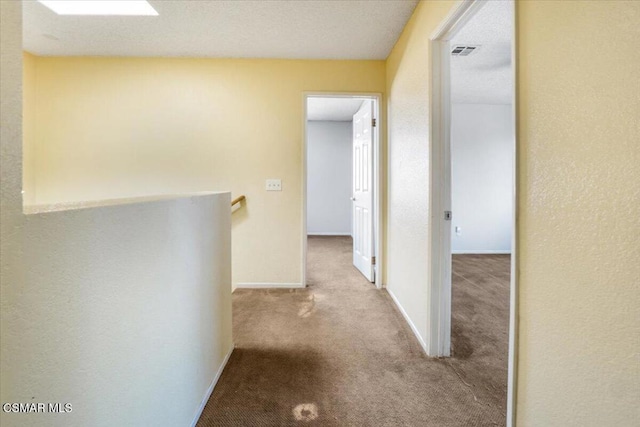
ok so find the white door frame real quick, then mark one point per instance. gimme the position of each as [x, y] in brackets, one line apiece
[377, 177]
[439, 339]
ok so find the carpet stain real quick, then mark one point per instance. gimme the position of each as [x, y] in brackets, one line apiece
[307, 307]
[305, 412]
[460, 343]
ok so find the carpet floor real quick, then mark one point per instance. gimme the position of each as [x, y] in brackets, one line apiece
[339, 353]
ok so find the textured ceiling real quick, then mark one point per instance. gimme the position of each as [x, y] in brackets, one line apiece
[332, 109]
[485, 77]
[230, 29]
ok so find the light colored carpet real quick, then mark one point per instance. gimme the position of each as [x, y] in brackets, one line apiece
[339, 353]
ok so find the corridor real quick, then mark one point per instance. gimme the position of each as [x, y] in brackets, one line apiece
[339, 353]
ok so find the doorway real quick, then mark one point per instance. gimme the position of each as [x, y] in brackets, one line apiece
[473, 288]
[341, 178]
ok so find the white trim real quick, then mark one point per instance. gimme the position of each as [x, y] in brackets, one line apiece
[328, 233]
[258, 285]
[305, 134]
[439, 304]
[207, 394]
[408, 320]
[479, 252]
[512, 374]
[379, 156]
[440, 283]
[456, 19]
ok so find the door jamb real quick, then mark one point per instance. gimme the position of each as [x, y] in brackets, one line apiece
[439, 339]
[378, 178]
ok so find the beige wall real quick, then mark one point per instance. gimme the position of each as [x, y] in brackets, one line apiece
[579, 186]
[122, 127]
[123, 311]
[579, 202]
[408, 165]
[28, 129]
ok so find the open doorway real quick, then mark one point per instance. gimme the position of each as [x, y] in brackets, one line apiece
[341, 203]
[473, 288]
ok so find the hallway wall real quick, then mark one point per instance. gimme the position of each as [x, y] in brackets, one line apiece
[579, 160]
[125, 127]
[578, 163]
[408, 208]
[29, 102]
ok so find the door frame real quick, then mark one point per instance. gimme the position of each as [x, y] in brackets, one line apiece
[378, 155]
[439, 339]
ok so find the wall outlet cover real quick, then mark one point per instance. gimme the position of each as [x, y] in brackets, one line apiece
[274, 185]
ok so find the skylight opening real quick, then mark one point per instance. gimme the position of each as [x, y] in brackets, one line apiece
[101, 7]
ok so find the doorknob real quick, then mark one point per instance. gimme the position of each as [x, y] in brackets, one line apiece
[353, 199]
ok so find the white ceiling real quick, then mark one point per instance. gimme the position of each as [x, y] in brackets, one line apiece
[485, 77]
[353, 29]
[332, 109]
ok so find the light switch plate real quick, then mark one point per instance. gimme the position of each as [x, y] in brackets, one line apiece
[274, 185]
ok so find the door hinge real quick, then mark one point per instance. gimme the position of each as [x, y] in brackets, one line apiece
[373, 123]
[447, 215]
[373, 260]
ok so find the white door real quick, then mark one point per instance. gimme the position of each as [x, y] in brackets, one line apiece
[362, 197]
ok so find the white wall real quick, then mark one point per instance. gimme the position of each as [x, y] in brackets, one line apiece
[481, 178]
[124, 311]
[329, 177]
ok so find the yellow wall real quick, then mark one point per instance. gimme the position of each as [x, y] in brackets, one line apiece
[122, 127]
[28, 129]
[579, 202]
[579, 193]
[408, 164]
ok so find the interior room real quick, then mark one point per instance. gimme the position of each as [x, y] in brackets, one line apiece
[155, 268]
[482, 153]
[329, 165]
[330, 186]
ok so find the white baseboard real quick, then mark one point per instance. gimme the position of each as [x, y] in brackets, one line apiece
[267, 285]
[479, 252]
[329, 233]
[207, 394]
[408, 320]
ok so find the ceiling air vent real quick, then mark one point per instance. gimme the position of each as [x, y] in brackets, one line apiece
[463, 50]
